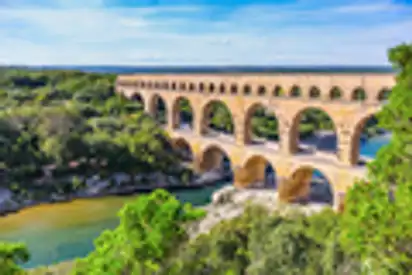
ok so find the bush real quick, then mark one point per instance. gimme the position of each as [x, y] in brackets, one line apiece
[11, 255]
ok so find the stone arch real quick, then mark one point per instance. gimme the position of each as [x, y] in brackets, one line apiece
[306, 183]
[233, 89]
[224, 121]
[358, 136]
[192, 86]
[359, 94]
[314, 92]
[261, 111]
[335, 93]
[173, 86]
[214, 158]
[158, 108]
[295, 91]
[222, 88]
[182, 111]
[384, 94]
[314, 118]
[201, 87]
[247, 90]
[183, 149]
[254, 173]
[150, 85]
[277, 91]
[182, 86]
[211, 88]
[261, 91]
[165, 85]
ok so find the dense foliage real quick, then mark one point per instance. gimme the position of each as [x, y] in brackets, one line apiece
[10, 256]
[150, 231]
[377, 223]
[56, 124]
[257, 243]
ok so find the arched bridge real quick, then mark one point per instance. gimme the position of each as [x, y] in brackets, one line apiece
[349, 100]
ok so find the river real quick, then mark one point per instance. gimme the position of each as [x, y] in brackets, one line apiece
[63, 231]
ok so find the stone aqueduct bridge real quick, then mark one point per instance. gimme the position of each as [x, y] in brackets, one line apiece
[287, 96]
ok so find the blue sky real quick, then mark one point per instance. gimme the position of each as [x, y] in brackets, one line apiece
[202, 32]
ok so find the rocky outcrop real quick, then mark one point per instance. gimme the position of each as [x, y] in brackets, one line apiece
[229, 202]
[7, 203]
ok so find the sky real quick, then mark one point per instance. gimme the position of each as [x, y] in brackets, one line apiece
[202, 32]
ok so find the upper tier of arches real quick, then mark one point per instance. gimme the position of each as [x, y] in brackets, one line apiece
[373, 88]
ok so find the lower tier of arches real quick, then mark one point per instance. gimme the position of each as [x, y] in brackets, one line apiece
[293, 176]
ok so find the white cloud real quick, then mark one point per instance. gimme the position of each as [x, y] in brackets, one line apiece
[252, 35]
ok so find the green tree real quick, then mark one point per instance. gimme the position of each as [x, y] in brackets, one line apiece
[151, 230]
[11, 255]
[377, 222]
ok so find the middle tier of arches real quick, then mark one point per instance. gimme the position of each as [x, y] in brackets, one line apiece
[347, 120]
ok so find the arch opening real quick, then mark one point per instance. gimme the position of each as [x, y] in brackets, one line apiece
[182, 86]
[359, 94]
[306, 184]
[201, 87]
[211, 88]
[257, 172]
[261, 125]
[295, 92]
[182, 114]
[247, 90]
[233, 89]
[384, 94]
[335, 93]
[158, 109]
[277, 91]
[313, 130]
[368, 137]
[183, 149]
[261, 91]
[222, 88]
[314, 93]
[216, 119]
[215, 160]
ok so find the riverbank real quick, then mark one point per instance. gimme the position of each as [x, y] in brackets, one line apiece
[98, 188]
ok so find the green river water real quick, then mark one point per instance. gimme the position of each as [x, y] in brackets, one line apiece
[63, 231]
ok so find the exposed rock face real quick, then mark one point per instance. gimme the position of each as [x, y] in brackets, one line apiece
[229, 202]
[7, 204]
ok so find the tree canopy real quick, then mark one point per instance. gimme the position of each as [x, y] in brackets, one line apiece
[377, 222]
